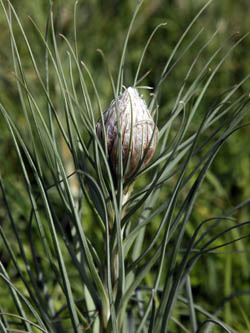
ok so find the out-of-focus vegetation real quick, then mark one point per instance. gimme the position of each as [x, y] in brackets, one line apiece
[103, 25]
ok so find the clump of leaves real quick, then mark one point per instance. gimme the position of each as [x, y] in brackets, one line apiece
[83, 257]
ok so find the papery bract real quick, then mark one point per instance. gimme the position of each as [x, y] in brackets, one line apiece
[139, 135]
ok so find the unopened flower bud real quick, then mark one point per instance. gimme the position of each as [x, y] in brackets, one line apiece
[139, 134]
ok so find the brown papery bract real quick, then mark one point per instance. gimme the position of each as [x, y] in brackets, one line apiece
[139, 135]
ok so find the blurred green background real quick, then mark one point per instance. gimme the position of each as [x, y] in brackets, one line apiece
[103, 25]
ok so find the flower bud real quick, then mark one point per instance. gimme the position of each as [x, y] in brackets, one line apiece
[139, 135]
